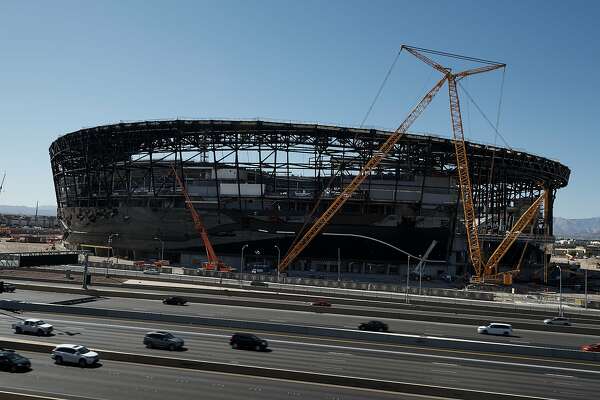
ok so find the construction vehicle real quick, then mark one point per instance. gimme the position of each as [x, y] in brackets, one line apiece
[213, 262]
[483, 271]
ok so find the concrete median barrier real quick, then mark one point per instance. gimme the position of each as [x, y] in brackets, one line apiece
[271, 373]
[396, 338]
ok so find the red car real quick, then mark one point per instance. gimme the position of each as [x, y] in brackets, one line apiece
[595, 347]
[321, 303]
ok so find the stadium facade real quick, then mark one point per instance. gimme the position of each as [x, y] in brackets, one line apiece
[255, 182]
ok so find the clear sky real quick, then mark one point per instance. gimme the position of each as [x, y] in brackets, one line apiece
[70, 64]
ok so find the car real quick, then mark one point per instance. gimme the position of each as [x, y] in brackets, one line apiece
[7, 287]
[557, 321]
[151, 271]
[495, 328]
[33, 325]
[374, 326]
[175, 300]
[321, 303]
[163, 340]
[247, 341]
[13, 362]
[594, 347]
[74, 354]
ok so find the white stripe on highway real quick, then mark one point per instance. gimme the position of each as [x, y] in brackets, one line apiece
[349, 348]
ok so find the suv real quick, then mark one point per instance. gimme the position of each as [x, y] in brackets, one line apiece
[163, 340]
[13, 362]
[75, 354]
[175, 300]
[495, 329]
[247, 341]
[375, 326]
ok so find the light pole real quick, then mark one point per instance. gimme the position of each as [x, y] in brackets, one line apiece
[242, 263]
[585, 284]
[420, 273]
[339, 266]
[407, 275]
[278, 259]
[112, 253]
[560, 309]
[162, 246]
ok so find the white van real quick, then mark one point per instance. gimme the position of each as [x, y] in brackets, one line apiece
[495, 329]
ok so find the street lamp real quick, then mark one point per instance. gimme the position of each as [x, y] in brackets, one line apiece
[162, 247]
[112, 253]
[278, 258]
[560, 309]
[242, 263]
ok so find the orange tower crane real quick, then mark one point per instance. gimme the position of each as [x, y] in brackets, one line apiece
[213, 262]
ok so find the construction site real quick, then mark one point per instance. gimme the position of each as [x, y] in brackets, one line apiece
[311, 199]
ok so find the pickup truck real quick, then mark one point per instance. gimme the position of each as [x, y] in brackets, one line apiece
[35, 326]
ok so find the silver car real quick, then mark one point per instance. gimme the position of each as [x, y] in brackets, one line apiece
[557, 321]
[163, 340]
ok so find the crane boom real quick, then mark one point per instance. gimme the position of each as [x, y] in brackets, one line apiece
[512, 236]
[335, 206]
[213, 260]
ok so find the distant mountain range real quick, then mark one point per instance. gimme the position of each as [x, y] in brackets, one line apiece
[24, 210]
[585, 228]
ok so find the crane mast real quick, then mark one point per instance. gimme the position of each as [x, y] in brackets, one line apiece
[213, 262]
[379, 155]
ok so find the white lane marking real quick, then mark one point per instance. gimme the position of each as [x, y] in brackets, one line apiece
[338, 354]
[445, 364]
[560, 375]
[276, 320]
[443, 371]
[357, 349]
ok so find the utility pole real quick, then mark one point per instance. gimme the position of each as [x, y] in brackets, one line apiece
[339, 266]
[585, 286]
[278, 259]
[407, 277]
[85, 270]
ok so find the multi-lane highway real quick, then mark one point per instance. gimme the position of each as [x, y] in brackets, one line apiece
[126, 381]
[343, 357]
[541, 376]
[560, 337]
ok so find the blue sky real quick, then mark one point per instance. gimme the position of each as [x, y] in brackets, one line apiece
[70, 64]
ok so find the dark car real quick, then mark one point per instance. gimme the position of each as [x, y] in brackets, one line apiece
[6, 287]
[247, 341]
[13, 362]
[175, 300]
[321, 303]
[163, 340]
[374, 326]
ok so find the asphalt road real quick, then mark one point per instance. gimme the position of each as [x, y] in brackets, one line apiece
[124, 381]
[518, 375]
[562, 339]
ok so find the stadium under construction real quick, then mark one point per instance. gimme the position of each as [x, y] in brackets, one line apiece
[256, 183]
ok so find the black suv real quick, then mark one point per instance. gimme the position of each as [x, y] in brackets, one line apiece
[375, 326]
[175, 300]
[247, 341]
[13, 362]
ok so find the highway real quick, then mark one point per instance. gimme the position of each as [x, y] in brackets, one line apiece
[530, 376]
[125, 381]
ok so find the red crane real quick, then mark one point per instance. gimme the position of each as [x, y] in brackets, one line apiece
[213, 262]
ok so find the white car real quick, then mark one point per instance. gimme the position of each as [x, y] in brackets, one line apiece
[557, 321]
[495, 329]
[74, 353]
[35, 326]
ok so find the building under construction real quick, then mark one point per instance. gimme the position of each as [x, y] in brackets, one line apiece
[256, 183]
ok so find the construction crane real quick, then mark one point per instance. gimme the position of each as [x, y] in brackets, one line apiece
[379, 155]
[213, 262]
[487, 271]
